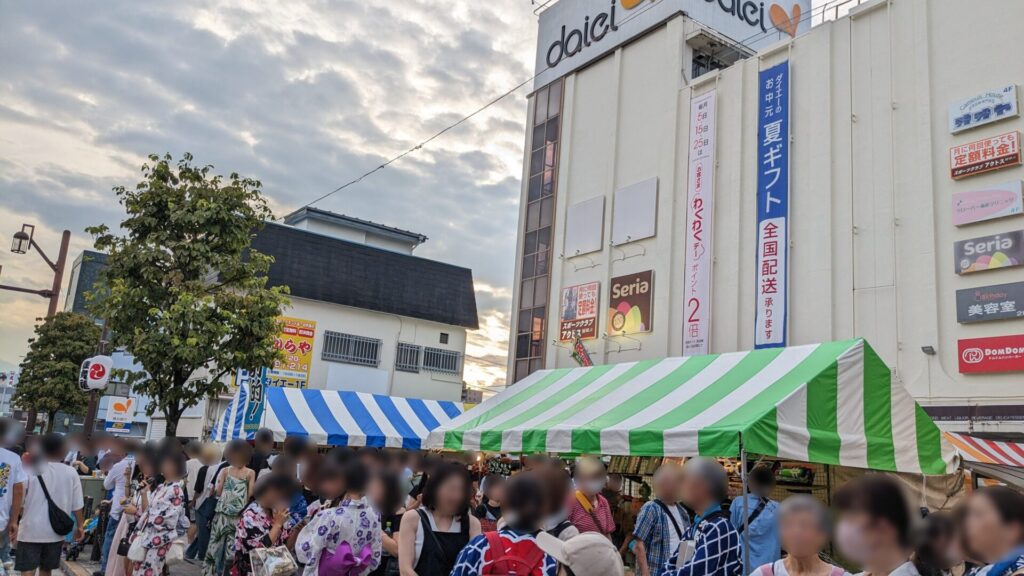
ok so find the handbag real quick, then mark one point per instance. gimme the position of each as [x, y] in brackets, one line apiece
[126, 541]
[136, 552]
[176, 553]
[276, 561]
[61, 522]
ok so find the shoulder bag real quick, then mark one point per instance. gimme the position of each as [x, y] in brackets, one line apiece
[60, 521]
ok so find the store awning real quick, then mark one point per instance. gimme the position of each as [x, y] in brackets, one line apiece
[980, 450]
[831, 403]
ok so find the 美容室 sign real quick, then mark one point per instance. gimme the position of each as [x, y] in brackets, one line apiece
[1004, 250]
[579, 312]
[987, 355]
[630, 303]
[999, 302]
[984, 108]
[296, 342]
[985, 155]
[989, 203]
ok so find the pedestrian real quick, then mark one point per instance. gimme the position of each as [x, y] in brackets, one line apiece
[12, 494]
[994, 529]
[330, 486]
[386, 497]
[660, 524]
[263, 450]
[805, 529]
[85, 461]
[204, 501]
[612, 492]
[432, 535]
[761, 530]
[234, 486]
[164, 518]
[488, 512]
[589, 554]
[132, 508]
[935, 545]
[590, 511]
[712, 545]
[49, 480]
[346, 539]
[122, 454]
[874, 526]
[265, 522]
[557, 494]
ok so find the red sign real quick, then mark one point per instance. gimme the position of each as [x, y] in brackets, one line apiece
[985, 155]
[97, 371]
[997, 354]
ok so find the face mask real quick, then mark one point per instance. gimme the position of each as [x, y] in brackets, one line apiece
[852, 543]
[593, 486]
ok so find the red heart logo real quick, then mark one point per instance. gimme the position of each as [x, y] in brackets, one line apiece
[784, 21]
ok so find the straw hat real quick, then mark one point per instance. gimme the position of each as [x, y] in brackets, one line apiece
[589, 554]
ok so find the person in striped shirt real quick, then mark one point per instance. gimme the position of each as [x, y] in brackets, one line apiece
[712, 544]
[589, 511]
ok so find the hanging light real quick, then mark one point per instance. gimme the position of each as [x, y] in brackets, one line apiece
[22, 240]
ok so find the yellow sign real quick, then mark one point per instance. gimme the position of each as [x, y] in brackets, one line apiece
[296, 340]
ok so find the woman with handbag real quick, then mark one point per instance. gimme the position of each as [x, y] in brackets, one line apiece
[118, 564]
[163, 523]
[266, 521]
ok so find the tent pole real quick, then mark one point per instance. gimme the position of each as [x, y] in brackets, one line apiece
[746, 509]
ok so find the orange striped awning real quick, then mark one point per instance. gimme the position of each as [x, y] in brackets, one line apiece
[974, 449]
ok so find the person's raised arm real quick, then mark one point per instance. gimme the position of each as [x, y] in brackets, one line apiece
[408, 528]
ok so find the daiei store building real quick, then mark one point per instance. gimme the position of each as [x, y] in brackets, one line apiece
[715, 176]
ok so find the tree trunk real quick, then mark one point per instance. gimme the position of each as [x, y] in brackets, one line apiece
[50, 417]
[173, 414]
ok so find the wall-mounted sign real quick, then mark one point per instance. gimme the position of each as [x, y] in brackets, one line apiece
[579, 312]
[989, 252]
[988, 203]
[699, 210]
[984, 108]
[999, 302]
[630, 303]
[772, 207]
[572, 33]
[296, 340]
[997, 354]
[580, 353]
[985, 155]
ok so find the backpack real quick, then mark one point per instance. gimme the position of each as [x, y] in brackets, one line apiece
[514, 563]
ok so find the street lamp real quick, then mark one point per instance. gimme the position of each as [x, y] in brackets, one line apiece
[23, 240]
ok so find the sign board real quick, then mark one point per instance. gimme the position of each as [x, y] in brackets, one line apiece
[985, 155]
[1004, 250]
[630, 303]
[117, 427]
[996, 354]
[95, 373]
[999, 302]
[699, 211]
[255, 401]
[984, 108]
[120, 414]
[988, 203]
[772, 207]
[296, 340]
[573, 33]
[579, 312]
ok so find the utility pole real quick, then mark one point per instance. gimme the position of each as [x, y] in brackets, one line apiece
[94, 395]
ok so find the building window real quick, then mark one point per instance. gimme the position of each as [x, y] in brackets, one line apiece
[444, 337]
[408, 357]
[704, 62]
[536, 231]
[351, 349]
[443, 361]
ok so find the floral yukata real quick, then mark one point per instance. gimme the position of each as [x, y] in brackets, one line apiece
[354, 522]
[254, 532]
[160, 525]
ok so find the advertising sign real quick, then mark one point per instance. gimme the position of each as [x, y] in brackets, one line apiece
[254, 403]
[630, 303]
[985, 155]
[988, 204]
[699, 210]
[772, 207]
[1000, 302]
[94, 373]
[986, 355]
[579, 312]
[984, 108]
[572, 33]
[1004, 250]
[120, 413]
[296, 339]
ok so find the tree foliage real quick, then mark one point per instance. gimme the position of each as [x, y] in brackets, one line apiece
[49, 374]
[184, 292]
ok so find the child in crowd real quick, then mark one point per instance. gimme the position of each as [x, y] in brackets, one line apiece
[489, 510]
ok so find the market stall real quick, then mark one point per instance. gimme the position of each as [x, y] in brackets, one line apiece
[993, 459]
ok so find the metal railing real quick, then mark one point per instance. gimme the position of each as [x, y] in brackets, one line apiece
[351, 349]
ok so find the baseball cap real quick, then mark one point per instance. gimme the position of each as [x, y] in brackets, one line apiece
[589, 554]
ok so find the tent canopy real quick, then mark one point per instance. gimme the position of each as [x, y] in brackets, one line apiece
[983, 451]
[831, 403]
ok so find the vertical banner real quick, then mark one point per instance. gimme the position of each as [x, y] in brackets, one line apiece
[699, 211]
[296, 340]
[772, 207]
[255, 401]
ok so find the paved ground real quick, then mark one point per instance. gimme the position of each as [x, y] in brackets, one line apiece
[84, 567]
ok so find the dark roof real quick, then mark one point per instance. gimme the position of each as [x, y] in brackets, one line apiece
[353, 222]
[320, 267]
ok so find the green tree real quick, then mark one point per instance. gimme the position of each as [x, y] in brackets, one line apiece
[184, 293]
[49, 373]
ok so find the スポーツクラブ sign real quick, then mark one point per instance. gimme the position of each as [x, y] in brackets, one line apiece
[699, 209]
[630, 303]
[997, 201]
[984, 108]
[579, 312]
[1004, 250]
[997, 354]
[985, 155]
[999, 302]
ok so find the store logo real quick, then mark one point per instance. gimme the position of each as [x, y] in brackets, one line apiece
[972, 355]
[783, 21]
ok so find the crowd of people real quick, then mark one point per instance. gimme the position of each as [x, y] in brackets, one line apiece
[371, 512]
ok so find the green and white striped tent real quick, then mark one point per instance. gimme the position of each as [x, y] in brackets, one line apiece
[831, 403]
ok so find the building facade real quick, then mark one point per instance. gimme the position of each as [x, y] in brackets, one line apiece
[859, 179]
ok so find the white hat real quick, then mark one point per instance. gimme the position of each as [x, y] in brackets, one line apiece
[589, 554]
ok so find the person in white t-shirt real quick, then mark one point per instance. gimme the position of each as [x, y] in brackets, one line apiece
[12, 491]
[39, 547]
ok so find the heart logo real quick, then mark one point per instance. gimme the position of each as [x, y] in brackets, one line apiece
[630, 4]
[783, 21]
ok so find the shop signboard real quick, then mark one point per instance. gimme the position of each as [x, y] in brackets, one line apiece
[296, 341]
[120, 413]
[999, 302]
[985, 155]
[699, 211]
[985, 108]
[989, 203]
[772, 207]
[579, 312]
[996, 354]
[631, 303]
[254, 402]
[1004, 250]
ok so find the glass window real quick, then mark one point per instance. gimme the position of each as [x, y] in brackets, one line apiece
[536, 348]
[546, 208]
[529, 269]
[535, 365]
[544, 239]
[537, 161]
[534, 191]
[530, 244]
[537, 329]
[523, 346]
[538, 312]
[550, 149]
[526, 296]
[525, 317]
[541, 108]
[542, 262]
[552, 132]
[541, 291]
[522, 369]
[532, 216]
[548, 187]
[538, 137]
[554, 99]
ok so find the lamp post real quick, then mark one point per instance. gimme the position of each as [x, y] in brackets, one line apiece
[24, 241]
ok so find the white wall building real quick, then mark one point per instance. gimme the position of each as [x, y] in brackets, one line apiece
[607, 194]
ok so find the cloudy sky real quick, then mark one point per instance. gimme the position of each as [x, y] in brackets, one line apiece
[303, 95]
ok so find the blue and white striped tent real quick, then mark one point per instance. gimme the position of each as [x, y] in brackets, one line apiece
[229, 425]
[346, 418]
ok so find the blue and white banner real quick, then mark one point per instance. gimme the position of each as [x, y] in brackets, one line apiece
[229, 425]
[772, 207]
